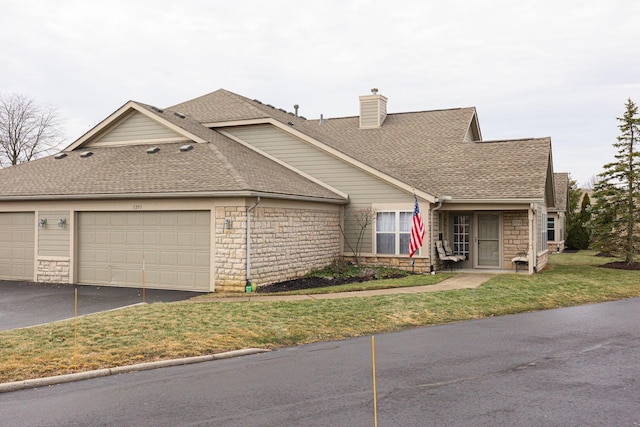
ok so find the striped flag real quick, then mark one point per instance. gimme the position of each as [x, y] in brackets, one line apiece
[417, 229]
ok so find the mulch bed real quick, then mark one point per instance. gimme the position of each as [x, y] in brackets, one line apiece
[621, 265]
[314, 282]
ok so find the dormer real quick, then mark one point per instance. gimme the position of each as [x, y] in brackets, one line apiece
[373, 110]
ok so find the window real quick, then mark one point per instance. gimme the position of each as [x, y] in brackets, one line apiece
[393, 232]
[551, 229]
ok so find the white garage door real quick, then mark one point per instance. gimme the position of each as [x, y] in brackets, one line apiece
[16, 245]
[175, 247]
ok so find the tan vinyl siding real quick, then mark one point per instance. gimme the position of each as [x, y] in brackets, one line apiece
[364, 189]
[53, 240]
[469, 136]
[137, 127]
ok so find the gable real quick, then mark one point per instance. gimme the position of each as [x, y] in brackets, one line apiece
[135, 128]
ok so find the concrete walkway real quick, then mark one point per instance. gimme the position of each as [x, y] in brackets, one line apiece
[459, 281]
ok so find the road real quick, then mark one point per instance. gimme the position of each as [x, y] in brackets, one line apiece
[567, 367]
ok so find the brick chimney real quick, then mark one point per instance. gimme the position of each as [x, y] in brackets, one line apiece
[373, 110]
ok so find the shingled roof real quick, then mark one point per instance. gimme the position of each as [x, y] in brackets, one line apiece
[220, 167]
[562, 192]
[426, 150]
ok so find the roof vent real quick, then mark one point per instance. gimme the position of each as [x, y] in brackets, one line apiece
[182, 116]
[153, 150]
[296, 107]
[86, 154]
[186, 147]
[61, 155]
[156, 109]
[290, 123]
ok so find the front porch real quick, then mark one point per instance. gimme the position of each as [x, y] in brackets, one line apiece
[488, 240]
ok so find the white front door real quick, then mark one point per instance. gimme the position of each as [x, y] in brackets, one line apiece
[487, 240]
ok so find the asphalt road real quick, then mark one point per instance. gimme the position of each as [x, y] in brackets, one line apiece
[568, 367]
[28, 304]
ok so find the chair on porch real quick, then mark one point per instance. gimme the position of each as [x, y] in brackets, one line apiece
[448, 260]
[449, 251]
[521, 259]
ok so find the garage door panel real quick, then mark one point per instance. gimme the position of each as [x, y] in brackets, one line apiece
[176, 247]
[203, 259]
[134, 237]
[17, 240]
[169, 258]
[151, 238]
[168, 238]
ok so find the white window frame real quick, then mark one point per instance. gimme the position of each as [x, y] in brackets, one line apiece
[396, 231]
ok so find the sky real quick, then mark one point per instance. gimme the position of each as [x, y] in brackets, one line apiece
[557, 68]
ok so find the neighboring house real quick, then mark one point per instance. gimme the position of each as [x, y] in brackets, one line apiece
[557, 215]
[219, 190]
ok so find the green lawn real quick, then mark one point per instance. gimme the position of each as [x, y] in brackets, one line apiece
[162, 331]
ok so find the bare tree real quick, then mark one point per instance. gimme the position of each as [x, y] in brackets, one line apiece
[357, 221]
[27, 130]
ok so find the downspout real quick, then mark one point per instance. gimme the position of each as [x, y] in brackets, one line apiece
[248, 274]
[431, 211]
[533, 257]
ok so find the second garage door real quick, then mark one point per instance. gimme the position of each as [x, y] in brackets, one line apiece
[174, 245]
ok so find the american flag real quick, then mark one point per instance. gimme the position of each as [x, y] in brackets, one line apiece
[417, 229]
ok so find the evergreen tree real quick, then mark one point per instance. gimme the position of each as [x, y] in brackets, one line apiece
[617, 193]
[578, 236]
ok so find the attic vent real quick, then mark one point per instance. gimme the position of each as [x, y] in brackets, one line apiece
[156, 109]
[153, 150]
[182, 116]
[186, 148]
[258, 101]
[61, 155]
[86, 154]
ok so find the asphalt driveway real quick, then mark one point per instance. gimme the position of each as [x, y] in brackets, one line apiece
[27, 304]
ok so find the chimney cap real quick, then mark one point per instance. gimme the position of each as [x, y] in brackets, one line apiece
[374, 90]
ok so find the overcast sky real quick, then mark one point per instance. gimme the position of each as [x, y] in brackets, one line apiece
[558, 68]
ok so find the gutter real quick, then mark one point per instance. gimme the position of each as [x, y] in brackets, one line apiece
[180, 195]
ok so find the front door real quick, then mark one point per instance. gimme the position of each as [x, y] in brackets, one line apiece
[488, 240]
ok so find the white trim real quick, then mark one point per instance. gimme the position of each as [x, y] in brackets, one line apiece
[121, 114]
[181, 195]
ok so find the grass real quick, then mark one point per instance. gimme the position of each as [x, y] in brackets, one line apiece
[162, 331]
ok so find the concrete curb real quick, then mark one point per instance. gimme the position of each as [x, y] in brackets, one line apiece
[60, 379]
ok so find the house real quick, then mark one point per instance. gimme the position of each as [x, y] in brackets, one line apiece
[221, 190]
[557, 214]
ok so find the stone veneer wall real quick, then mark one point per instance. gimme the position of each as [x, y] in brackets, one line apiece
[420, 265]
[556, 246]
[286, 243]
[53, 271]
[515, 236]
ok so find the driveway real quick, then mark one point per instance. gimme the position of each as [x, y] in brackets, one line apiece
[27, 304]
